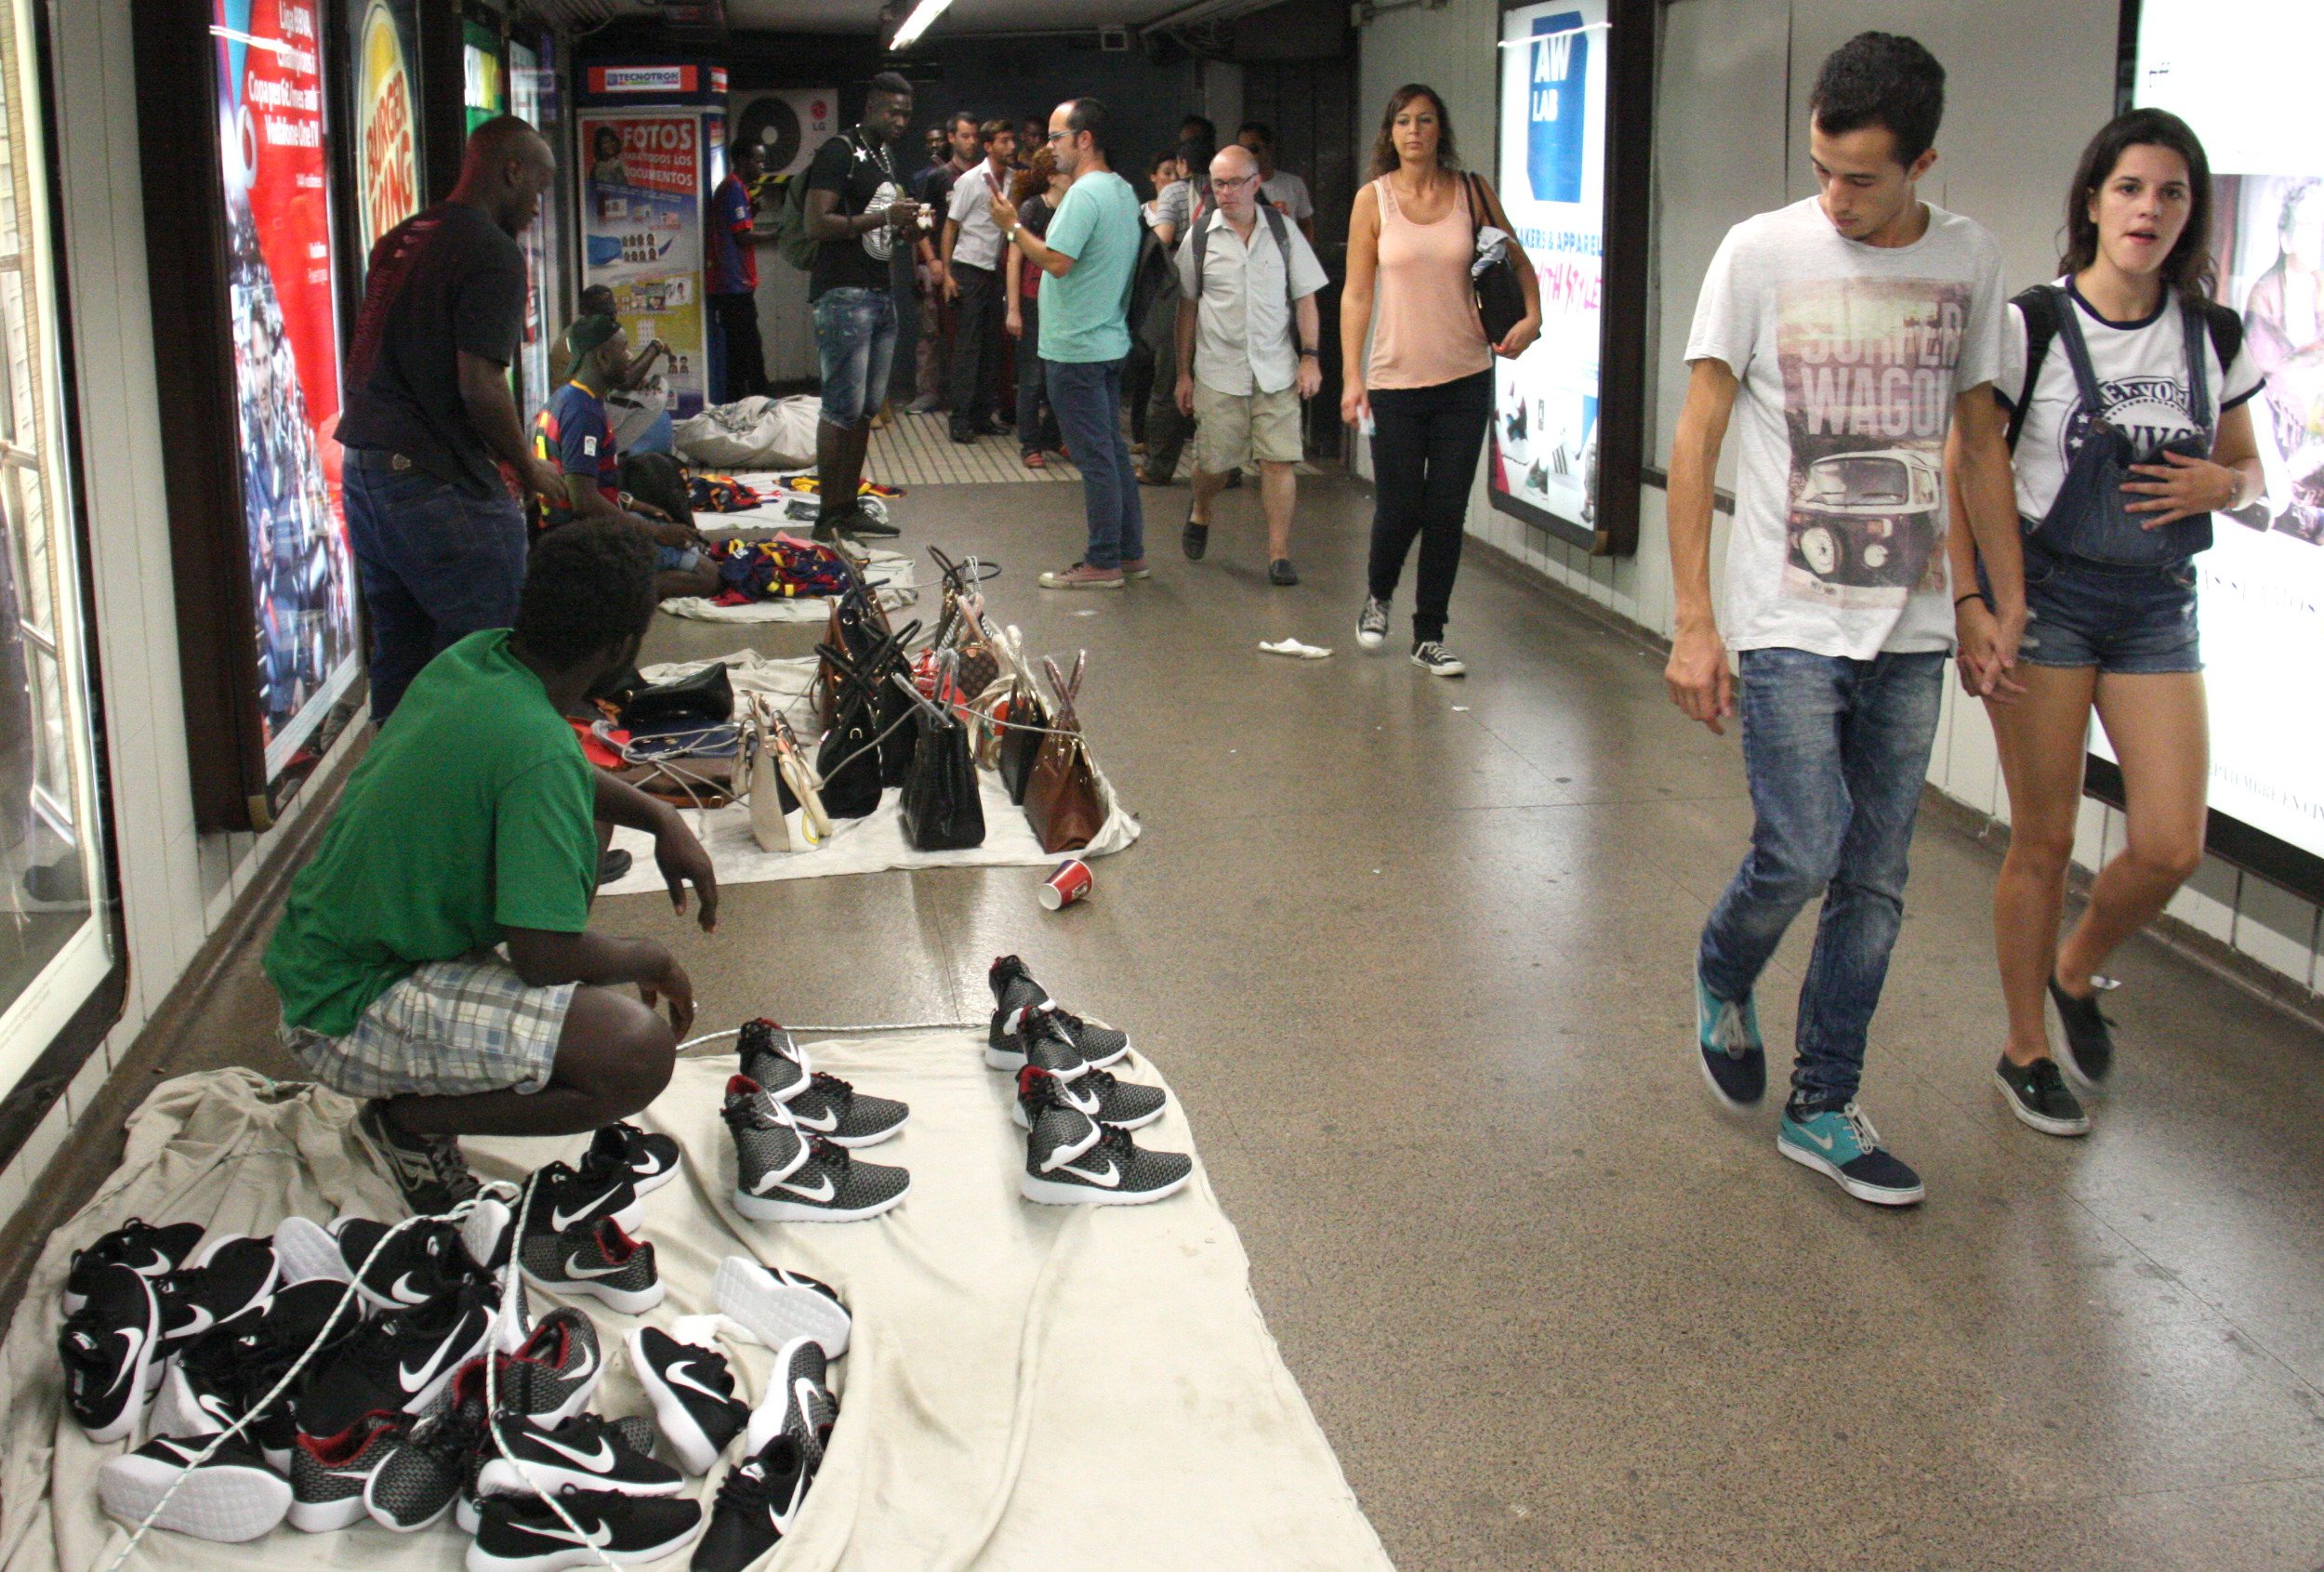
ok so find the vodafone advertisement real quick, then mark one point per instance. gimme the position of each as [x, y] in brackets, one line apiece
[276, 171]
[641, 184]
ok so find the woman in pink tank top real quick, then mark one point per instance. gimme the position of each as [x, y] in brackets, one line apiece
[1428, 386]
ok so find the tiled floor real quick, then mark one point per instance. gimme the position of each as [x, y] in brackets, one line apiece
[916, 450]
[1415, 954]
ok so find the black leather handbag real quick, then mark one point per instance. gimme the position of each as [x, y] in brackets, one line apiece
[1500, 298]
[849, 761]
[705, 698]
[941, 808]
[1021, 744]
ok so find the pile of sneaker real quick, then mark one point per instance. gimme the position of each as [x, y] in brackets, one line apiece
[794, 1132]
[1077, 1113]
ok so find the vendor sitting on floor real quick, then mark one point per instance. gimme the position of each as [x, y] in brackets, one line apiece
[474, 822]
[574, 434]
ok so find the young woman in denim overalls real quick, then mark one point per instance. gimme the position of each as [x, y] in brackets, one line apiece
[2129, 434]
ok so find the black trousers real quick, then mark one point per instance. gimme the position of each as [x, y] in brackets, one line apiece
[1138, 386]
[976, 345]
[1425, 443]
[746, 358]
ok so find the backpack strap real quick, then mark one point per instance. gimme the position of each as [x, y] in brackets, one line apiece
[2039, 306]
[2226, 333]
[1279, 227]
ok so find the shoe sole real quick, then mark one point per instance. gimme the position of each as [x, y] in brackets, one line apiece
[503, 1477]
[647, 1186]
[2062, 1045]
[2042, 1122]
[329, 1517]
[1009, 1063]
[1872, 1194]
[228, 1503]
[480, 1560]
[677, 1423]
[1440, 671]
[775, 1313]
[630, 1301]
[308, 1253]
[759, 1209]
[1056, 1192]
[1370, 640]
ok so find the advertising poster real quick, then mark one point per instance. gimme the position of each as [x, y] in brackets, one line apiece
[1552, 179]
[2261, 587]
[484, 92]
[287, 364]
[641, 184]
[387, 121]
[527, 83]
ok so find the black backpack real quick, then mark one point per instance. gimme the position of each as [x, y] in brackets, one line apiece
[2039, 307]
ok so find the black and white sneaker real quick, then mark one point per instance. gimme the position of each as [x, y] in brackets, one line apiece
[112, 1352]
[2082, 1036]
[232, 1370]
[797, 1401]
[1071, 1159]
[147, 1251]
[1015, 992]
[831, 1108]
[597, 1259]
[526, 1534]
[229, 1498]
[1041, 1040]
[694, 1394]
[565, 1197]
[776, 1305]
[421, 1476]
[2039, 1098]
[585, 1452]
[1123, 1104]
[785, 1174]
[329, 1473]
[1371, 623]
[649, 1158]
[770, 1056]
[427, 1170]
[401, 1265]
[236, 1276]
[758, 1504]
[398, 1364]
[1431, 656]
[554, 1372]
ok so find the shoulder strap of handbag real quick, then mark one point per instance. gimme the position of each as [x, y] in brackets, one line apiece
[2041, 305]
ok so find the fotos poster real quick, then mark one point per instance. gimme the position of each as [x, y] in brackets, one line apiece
[2261, 586]
[1552, 181]
[287, 363]
[641, 234]
[387, 121]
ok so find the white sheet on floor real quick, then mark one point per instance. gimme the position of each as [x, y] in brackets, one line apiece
[1028, 1387]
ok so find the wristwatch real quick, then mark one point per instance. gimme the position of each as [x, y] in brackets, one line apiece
[1310, 354]
[1012, 232]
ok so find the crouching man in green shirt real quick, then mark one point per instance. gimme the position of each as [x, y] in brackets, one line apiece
[472, 824]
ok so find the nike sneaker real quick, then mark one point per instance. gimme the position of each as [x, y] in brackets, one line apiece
[1015, 992]
[421, 1477]
[1042, 1041]
[399, 1265]
[694, 1394]
[487, 1233]
[585, 1452]
[329, 1473]
[565, 1197]
[427, 1170]
[649, 1158]
[145, 1249]
[399, 1364]
[112, 1352]
[234, 1369]
[526, 1534]
[783, 1174]
[228, 1497]
[1734, 1057]
[831, 1108]
[597, 1259]
[1071, 1159]
[758, 1504]
[796, 1403]
[772, 1058]
[236, 1277]
[555, 1371]
[1839, 1143]
[1103, 1096]
[776, 1305]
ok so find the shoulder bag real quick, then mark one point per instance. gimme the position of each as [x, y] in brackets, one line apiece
[942, 809]
[1061, 794]
[1500, 298]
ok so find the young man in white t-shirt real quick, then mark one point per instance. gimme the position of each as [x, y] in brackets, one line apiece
[1849, 333]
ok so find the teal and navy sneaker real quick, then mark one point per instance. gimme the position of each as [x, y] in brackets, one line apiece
[1841, 1142]
[1735, 1060]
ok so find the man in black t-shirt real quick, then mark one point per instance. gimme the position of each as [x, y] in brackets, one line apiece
[429, 418]
[858, 216]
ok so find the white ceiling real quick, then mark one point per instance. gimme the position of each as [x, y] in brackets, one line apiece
[965, 16]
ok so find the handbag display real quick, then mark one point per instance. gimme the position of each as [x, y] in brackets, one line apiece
[1062, 802]
[1500, 296]
[849, 761]
[707, 697]
[943, 810]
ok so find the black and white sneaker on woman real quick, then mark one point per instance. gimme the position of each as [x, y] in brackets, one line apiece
[586, 1452]
[597, 1259]
[229, 1498]
[757, 1505]
[1015, 994]
[694, 1395]
[776, 1305]
[797, 1401]
[785, 1174]
[111, 1351]
[649, 1158]
[1371, 623]
[526, 1534]
[1431, 656]
[147, 1251]
[1071, 1159]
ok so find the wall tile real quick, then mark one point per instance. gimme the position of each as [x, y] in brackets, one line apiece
[2207, 903]
[2276, 929]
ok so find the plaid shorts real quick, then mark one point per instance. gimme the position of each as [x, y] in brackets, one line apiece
[450, 1028]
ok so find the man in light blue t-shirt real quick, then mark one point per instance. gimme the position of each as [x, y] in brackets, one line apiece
[1086, 263]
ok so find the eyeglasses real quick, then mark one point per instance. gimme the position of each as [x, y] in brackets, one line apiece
[1235, 184]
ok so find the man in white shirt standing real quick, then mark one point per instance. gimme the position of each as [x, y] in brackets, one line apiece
[973, 281]
[1851, 336]
[1281, 188]
[1247, 344]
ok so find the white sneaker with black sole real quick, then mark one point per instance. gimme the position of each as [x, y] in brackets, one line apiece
[776, 1305]
[785, 1174]
[693, 1389]
[229, 1498]
[1431, 656]
[526, 1534]
[1071, 1159]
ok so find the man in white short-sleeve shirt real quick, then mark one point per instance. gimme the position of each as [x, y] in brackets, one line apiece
[1247, 345]
[973, 280]
[1849, 335]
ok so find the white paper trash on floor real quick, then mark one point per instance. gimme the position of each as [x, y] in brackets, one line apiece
[1027, 1388]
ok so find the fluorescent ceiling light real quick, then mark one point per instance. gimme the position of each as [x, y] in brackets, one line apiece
[923, 14]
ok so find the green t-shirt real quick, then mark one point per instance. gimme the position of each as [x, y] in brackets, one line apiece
[473, 812]
[1084, 313]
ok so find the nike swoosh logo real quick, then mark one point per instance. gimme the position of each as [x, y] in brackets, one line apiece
[1087, 1102]
[561, 1220]
[199, 1321]
[216, 1409]
[575, 1269]
[810, 1122]
[1822, 1140]
[135, 1337]
[587, 1367]
[804, 1396]
[157, 1266]
[596, 1539]
[1111, 1179]
[403, 1293]
[680, 1373]
[599, 1461]
[829, 1189]
[427, 1372]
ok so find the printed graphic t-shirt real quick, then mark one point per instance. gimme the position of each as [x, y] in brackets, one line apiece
[2142, 372]
[733, 263]
[574, 434]
[1850, 357]
[864, 174]
[470, 815]
[1084, 313]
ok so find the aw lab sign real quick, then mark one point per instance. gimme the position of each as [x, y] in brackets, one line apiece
[1556, 109]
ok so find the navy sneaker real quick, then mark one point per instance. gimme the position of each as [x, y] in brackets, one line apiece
[1840, 1143]
[1734, 1060]
[2084, 1038]
[2039, 1098]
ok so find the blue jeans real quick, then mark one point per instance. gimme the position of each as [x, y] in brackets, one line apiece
[436, 563]
[1836, 751]
[855, 334]
[1036, 422]
[1087, 396]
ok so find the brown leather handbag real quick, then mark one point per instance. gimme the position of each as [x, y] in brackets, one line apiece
[1061, 793]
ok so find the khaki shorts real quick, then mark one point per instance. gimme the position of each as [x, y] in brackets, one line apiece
[1234, 428]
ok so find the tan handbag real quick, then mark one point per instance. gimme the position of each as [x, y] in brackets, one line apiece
[1062, 802]
[769, 827]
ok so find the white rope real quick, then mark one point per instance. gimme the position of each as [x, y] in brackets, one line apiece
[875, 1026]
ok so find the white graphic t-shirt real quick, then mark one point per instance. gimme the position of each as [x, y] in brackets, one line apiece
[2142, 371]
[1850, 357]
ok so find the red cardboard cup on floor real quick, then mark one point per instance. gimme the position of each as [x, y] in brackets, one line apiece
[1068, 883]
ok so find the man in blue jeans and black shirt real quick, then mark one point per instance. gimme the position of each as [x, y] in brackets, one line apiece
[439, 540]
[1854, 333]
